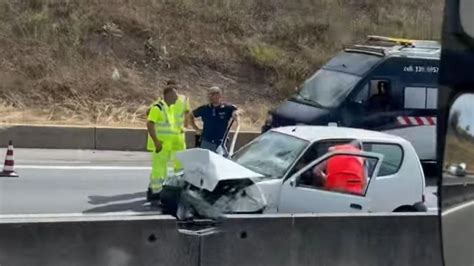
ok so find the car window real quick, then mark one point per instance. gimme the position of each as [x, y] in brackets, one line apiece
[393, 156]
[315, 151]
[271, 154]
[349, 174]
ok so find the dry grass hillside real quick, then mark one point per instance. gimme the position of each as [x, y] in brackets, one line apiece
[459, 150]
[102, 62]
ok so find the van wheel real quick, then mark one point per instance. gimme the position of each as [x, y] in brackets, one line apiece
[405, 209]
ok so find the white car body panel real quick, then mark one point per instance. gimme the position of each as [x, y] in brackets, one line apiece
[204, 169]
[271, 190]
[304, 199]
[404, 188]
[310, 200]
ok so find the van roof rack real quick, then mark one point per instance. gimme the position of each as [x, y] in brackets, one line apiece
[403, 42]
[373, 50]
[396, 41]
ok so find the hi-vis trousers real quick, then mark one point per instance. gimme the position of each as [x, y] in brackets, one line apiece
[161, 160]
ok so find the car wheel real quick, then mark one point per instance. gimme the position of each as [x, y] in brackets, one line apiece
[405, 209]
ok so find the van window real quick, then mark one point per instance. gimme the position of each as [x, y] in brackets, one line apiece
[379, 100]
[327, 88]
[392, 160]
[421, 97]
[363, 94]
[356, 63]
[431, 98]
[374, 96]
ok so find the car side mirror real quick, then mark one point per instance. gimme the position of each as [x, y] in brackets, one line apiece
[466, 8]
[357, 102]
[456, 131]
[458, 183]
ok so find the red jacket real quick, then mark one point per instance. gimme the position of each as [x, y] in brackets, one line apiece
[345, 172]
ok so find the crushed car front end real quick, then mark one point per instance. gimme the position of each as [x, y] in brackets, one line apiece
[211, 186]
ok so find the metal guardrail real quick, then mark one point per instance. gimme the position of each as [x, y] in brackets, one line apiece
[456, 190]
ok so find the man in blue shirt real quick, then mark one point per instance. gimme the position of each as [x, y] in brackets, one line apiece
[215, 117]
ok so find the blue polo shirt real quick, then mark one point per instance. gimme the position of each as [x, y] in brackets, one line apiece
[215, 120]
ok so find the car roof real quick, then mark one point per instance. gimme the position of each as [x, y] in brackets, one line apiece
[317, 133]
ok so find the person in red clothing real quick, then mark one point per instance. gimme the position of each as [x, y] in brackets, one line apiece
[344, 173]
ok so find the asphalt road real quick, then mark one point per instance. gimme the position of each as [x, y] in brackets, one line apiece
[458, 234]
[457, 217]
[75, 181]
[84, 181]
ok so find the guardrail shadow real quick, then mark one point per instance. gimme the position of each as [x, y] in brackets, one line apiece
[136, 206]
[98, 200]
[134, 202]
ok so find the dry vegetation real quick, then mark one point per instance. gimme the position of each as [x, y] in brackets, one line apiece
[459, 150]
[459, 144]
[57, 58]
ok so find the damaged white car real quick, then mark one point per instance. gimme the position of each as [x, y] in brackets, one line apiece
[275, 174]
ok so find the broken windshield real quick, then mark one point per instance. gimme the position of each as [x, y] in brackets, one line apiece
[271, 154]
[327, 88]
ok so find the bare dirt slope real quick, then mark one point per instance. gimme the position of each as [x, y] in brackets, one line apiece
[103, 62]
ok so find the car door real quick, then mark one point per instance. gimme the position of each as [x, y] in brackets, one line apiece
[297, 196]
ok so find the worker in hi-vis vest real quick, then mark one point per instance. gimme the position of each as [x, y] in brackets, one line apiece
[163, 140]
[180, 109]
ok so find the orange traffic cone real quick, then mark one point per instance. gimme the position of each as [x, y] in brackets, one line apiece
[9, 166]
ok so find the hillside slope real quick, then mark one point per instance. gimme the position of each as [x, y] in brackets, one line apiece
[103, 62]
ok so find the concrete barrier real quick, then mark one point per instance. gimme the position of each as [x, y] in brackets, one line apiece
[134, 139]
[145, 240]
[456, 191]
[325, 240]
[123, 139]
[50, 137]
[411, 239]
[100, 138]
[243, 138]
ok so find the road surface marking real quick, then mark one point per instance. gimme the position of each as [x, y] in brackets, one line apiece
[457, 208]
[82, 167]
[66, 215]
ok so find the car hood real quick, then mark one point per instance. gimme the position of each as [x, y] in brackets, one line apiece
[205, 169]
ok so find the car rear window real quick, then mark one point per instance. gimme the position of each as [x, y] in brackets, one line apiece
[392, 160]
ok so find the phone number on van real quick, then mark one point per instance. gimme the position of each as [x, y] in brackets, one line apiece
[421, 69]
